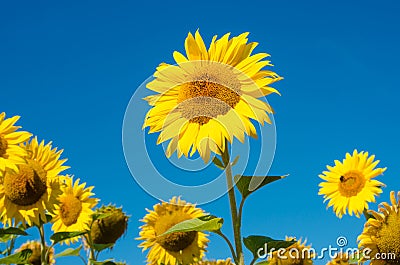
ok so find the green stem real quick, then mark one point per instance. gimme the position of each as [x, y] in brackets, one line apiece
[229, 244]
[43, 242]
[232, 201]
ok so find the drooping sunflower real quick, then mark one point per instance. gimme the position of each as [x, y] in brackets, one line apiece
[174, 248]
[210, 96]
[381, 234]
[11, 153]
[35, 258]
[297, 254]
[74, 210]
[350, 185]
[27, 195]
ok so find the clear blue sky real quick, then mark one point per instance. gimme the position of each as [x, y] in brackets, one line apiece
[69, 69]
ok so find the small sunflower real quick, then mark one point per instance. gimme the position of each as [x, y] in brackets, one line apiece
[340, 259]
[74, 210]
[28, 195]
[215, 262]
[11, 153]
[35, 258]
[210, 96]
[350, 184]
[176, 248]
[296, 254]
[382, 234]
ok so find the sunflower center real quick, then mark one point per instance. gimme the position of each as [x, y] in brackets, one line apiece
[351, 183]
[3, 145]
[388, 239]
[26, 187]
[70, 210]
[209, 95]
[177, 241]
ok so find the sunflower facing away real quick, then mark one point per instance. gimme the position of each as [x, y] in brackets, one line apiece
[350, 184]
[36, 247]
[210, 96]
[340, 259]
[176, 248]
[11, 153]
[215, 262]
[28, 195]
[74, 211]
[382, 234]
[297, 254]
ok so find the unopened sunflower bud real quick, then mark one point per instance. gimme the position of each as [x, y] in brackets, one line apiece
[35, 257]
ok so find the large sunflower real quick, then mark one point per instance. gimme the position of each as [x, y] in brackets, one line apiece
[297, 254]
[210, 95]
[381, 234]
[350, 184]
[176, 248]
[74, 210]
[28, 195]
[11, 154]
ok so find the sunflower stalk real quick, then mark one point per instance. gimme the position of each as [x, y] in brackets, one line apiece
[43, 242]
[239, 259]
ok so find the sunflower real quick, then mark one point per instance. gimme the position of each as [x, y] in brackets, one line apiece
[11, 154]
[74, 211]
[381, 234]
[35, 258]
[215, 262]
[175, 248]
[210, 96]
[340, 259]
[297, 254]
[350, 184]
[28, 195]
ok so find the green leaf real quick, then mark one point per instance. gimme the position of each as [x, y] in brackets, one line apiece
[105, 262]
[100, 247]
[12, 231]
[69, 252]
[225, 156]
[61, 236]
[17, 258]
[218, 163]
[98, 216]
[205, 223]
[255, 243]
[248, 184]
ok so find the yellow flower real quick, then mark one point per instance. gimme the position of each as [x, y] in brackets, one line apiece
[74, 210]
[175, 248]
[210, 96]
[297, 254]
[28, 195]
[340, 259]
[215, 262]
[35, 258]
[11, 154]
[382, 234]
[350, 184]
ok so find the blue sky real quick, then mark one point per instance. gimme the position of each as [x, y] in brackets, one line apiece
[69, 69]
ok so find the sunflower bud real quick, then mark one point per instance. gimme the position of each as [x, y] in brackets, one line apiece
[110, 228]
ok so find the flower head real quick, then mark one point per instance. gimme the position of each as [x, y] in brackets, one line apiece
[350, 185]
[382, 234]
[174, 248]
[210, 96]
